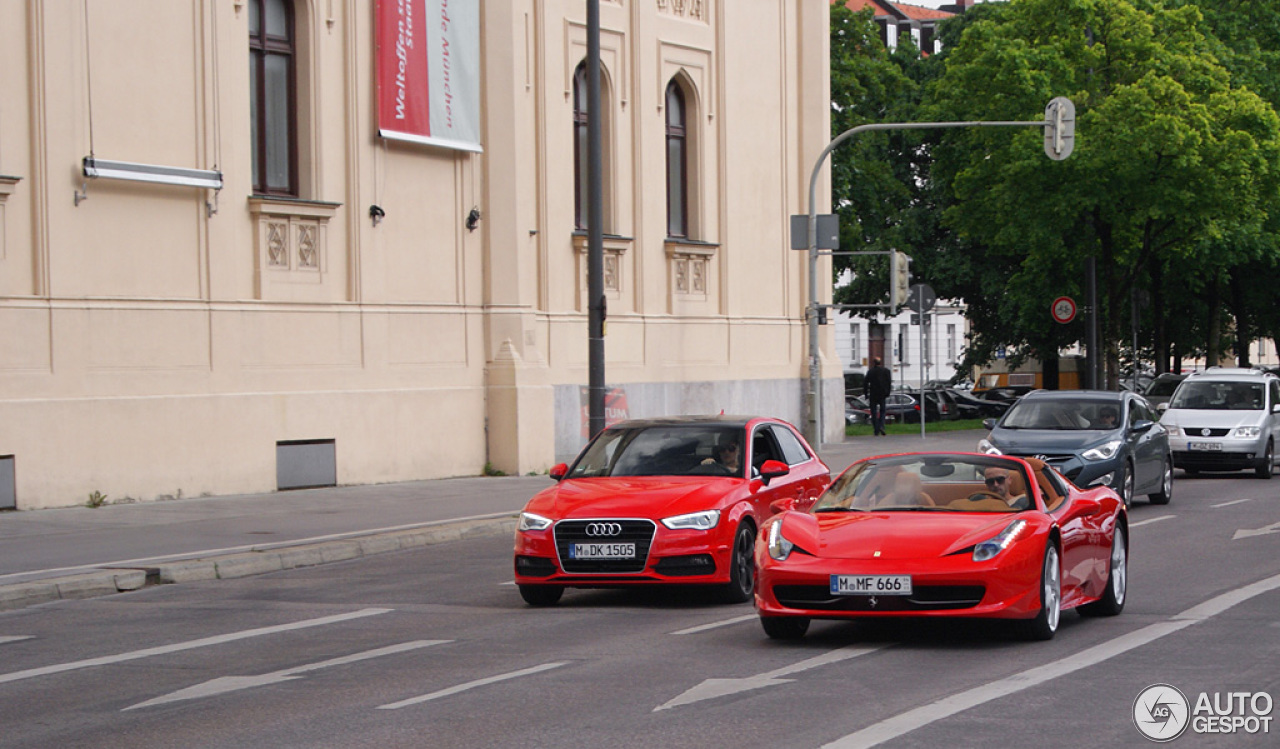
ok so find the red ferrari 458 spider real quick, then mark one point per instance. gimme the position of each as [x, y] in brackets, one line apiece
[675, 500]
[944, 534]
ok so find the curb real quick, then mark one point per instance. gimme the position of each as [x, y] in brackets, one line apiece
[104, 582]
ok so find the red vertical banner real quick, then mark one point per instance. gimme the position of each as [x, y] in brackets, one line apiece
[403, 83]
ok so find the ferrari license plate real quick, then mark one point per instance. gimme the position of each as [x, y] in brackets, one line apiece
[602, 551]
[870, 585]
[1205, 446]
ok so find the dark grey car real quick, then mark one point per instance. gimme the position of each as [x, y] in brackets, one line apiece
[1069, 430]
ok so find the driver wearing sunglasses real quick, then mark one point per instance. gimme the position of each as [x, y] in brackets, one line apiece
[997, 480]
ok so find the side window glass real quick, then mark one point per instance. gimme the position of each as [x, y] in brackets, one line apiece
[792, 450]
[1275, 393]
[762, 448]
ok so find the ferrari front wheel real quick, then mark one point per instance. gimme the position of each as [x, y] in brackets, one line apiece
[541, 595]
[1045, 624]
[1113, 598]
[785, 627]
[742, 565]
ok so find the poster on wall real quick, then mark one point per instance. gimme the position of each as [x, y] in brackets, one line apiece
[428, 72]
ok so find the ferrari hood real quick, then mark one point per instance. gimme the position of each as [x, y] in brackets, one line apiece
[892, 535]
[652, 497]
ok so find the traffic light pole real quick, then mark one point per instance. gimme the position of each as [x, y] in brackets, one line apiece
[1057, 139]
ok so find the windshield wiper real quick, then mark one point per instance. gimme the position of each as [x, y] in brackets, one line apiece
[839, 509]
[913, 509]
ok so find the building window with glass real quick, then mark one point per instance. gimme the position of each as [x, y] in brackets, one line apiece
[273, 97]
[677, 163]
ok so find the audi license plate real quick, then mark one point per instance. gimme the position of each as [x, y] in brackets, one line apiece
[602, 551]
[1205, 446]
[871, 585]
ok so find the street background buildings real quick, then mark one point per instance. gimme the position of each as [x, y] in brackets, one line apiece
[352, 309]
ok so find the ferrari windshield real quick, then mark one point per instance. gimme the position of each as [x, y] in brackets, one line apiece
[1204, 395]
[929, 483]
[667, 450]
[1067, 414]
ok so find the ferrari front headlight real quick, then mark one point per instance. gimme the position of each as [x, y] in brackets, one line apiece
[779, 547]
[531, 522]
[698, 521]
[1103, 452]
[998, 543]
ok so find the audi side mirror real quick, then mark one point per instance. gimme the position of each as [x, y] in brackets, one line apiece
[772, 469]
[559, 470]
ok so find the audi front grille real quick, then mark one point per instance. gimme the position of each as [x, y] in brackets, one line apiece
[639, 532]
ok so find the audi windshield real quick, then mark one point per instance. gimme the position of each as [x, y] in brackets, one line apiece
[672, 450]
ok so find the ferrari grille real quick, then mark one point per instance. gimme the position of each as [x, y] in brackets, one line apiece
[923, 598]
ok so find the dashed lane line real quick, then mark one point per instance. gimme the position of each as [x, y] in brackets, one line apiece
[1149, 521]
[714, 625]
[1232, 502]
[14, 638]
[472, 685]
[903, 723]
[176, 647]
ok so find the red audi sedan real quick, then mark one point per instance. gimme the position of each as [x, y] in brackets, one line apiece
[672, 500]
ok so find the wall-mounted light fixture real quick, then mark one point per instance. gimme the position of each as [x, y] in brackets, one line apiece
[473, 218]
[377, 214]
[164, 175]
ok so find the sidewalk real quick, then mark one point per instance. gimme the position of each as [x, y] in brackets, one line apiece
[80, 552]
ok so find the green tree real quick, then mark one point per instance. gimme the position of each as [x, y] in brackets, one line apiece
[1171, 157]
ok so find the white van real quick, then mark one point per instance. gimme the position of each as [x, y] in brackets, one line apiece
[1223, 419]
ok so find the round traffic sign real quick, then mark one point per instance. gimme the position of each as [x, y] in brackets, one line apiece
[1063, 309]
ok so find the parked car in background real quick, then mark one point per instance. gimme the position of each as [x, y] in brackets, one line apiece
[1222, 419]
[1070, 430]
[938, 406]
[1161, 388]
[856, 410]
[987, 407]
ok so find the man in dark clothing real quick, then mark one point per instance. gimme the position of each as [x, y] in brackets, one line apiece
[877, 386]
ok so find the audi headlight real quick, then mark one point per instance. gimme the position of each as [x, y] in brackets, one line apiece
[698, 521]
[779, 547]
[530, 522]
[988, 448]
[1103, 452]
[1247, 432]
[998, 543]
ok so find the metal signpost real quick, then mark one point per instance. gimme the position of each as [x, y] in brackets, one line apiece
[1059, 140]
[921, 300]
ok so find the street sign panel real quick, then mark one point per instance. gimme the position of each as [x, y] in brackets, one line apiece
[1063, 309]
[921, 297]
[1060, 133]
[828, 231]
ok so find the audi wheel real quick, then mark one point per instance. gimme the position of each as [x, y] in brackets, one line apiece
[742, 565]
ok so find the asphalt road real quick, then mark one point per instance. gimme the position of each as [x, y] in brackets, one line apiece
[433, 648]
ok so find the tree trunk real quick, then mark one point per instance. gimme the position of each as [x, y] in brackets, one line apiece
[1157, 317]
[1241, 312]
[1214, 350]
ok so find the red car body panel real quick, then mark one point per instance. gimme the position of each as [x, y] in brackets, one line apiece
[653, 498]
[935, 549]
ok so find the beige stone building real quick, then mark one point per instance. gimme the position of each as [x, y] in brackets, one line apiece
[267, 293]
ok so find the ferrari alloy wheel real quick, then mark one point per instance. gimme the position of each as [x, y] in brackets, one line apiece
[785, 627]
[742, 565]
[1166, 485]
[1045, 624]
[1267, 462]
[541, 595]
[1112, 601]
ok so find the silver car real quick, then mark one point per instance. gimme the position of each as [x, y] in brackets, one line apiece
[1225, 420]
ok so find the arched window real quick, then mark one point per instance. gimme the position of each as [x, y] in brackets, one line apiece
[580, 121]
[677, 163]
[273, 99]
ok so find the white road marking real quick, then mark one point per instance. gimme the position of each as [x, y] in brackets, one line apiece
[226, 684]
[134, 655]
[472, 685]
[509, 582]
[1263, 531]
[713, 688]
[714, 625]
[143, 561]
[904, 723]
[1232, 502]
[1149, 521]
[14, 638]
